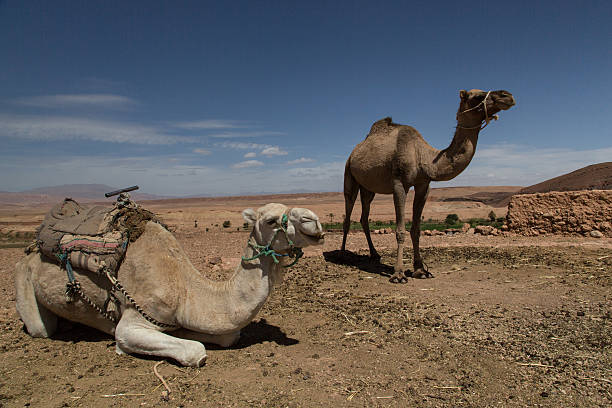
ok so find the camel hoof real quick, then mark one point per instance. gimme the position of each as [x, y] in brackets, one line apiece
[202, 361]
[398, 278]
[375, 258]
[421, 274]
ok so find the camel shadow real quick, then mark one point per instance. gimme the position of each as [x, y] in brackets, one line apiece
[256, 333]
[71, 332]
[362, 262]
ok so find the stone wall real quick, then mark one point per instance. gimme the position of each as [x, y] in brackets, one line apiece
[587, 213]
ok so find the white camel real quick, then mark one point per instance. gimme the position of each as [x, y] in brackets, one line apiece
[157, 273]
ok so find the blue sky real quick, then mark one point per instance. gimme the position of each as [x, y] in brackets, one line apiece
[187, 98]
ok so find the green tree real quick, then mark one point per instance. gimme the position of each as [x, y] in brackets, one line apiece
[451, 219]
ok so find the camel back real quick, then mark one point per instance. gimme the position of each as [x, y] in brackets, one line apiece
[91, 238]
[384, 125]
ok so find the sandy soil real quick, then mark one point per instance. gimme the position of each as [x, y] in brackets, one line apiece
[507, 321]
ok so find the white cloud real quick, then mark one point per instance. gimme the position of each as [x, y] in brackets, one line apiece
[230, 135]
[324, 171]
[250, 155]
[248, 163]
[300, 160]
[202, 151]
[77, 100]
[522, 165]
[273, 151]
[210, 124]
[241, 145]
[56, 128]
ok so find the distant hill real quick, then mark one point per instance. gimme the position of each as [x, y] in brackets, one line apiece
[80, 192]
[593, 177]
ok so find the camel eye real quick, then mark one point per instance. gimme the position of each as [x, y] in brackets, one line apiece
[271, 222]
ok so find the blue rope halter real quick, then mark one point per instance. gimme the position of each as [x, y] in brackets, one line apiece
[267, 250]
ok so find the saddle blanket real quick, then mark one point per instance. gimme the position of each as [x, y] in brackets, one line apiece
[91, 238]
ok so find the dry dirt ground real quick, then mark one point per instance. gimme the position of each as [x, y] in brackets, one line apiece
[507, 321]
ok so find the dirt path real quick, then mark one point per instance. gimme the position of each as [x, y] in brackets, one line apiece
[503, 323]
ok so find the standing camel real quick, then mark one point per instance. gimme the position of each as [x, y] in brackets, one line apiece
[394, 157]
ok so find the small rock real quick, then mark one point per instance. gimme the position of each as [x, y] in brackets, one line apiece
[544, 394]
[215, 260]
[580, 313]
[165, 396]
[596, 234]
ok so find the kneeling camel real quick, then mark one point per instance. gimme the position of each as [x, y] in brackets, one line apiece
[158, 274]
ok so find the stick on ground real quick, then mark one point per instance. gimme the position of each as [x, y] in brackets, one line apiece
[160, 377]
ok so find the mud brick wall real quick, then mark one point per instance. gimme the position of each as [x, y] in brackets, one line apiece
[567, 213]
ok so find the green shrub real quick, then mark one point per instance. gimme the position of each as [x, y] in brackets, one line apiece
[226, 224]
[451, 219]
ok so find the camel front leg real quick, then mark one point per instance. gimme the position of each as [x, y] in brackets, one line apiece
[421, 192]
[136, 335]
[399, 201]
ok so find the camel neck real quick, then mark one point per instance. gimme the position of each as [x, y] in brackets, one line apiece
[451, 161]
[225, 307]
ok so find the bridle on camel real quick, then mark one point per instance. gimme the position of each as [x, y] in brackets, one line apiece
[486, 119]
[267, 250]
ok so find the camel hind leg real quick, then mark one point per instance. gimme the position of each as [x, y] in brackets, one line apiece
[366, 200]
[351, 189]
[39, 321]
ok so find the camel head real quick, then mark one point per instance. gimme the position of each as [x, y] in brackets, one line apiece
[477, 106]
[283, 229]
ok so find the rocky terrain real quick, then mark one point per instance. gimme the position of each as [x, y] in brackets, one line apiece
[508, 320]
[576, 212]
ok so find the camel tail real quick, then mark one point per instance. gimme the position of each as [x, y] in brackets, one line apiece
[350, 184]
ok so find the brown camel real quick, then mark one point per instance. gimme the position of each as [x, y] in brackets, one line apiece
[395, 157]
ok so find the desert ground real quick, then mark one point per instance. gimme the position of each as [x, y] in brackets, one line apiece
[506, 321]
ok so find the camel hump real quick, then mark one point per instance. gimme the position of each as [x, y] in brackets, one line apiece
[384, 125]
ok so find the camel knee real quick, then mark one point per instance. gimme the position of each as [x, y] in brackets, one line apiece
[227, 340]
[400, 236]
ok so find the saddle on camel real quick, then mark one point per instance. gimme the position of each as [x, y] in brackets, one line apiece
[93, 239]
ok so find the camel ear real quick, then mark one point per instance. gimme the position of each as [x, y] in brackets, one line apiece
[249, 216]
[463, 94]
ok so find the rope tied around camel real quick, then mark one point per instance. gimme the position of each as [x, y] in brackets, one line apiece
[267, 250]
